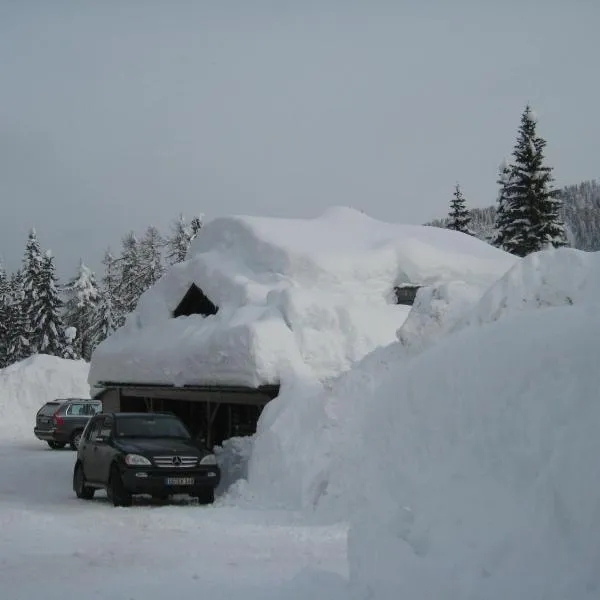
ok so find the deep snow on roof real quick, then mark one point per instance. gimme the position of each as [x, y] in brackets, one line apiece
[296, 297]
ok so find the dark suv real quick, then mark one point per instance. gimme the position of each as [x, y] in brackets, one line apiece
[143, 453]
[62, 422]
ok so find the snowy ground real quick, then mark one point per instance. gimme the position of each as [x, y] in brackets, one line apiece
[55, 546]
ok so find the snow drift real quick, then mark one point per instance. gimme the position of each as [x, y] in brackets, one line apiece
[28, 384]
[297, 298]
[468, 464]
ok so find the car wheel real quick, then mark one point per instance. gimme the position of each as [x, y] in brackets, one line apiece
[75, 440]
[116, 492]
[79, 484]
[206, 496]
[55, 445]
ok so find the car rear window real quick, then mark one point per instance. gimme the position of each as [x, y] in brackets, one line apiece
[49, 409]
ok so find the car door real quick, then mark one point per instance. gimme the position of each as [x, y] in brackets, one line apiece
[87, 455]
[77, 416]
[103, 449]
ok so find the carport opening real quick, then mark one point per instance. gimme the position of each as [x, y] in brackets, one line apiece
[195, 302]
[210, 422]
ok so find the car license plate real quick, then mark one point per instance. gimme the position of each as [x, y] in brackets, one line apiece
[179, 481]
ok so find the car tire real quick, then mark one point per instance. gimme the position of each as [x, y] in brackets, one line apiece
[206, 496]
[116, 491]
[75, 439]
[55, 445]
[82, 490]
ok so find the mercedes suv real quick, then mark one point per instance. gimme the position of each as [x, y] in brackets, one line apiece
[61, 422]
[143, 453]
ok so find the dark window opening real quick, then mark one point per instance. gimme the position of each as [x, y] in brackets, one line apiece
[406, 294]
[195, 302]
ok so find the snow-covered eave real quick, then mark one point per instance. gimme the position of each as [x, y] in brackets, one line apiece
[261, 393]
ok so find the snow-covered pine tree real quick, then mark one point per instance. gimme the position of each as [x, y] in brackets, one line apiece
[130, 277]
[4, 316]
[531, 205]
[32, 267]
[504, 227]
[195, 226]
[48, 327]
[106, 317]
[80, 310]
[459, 216]
[151, 261]
[18, 341]
[179, 241]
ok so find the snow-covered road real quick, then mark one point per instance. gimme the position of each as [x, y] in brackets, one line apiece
[53, 546]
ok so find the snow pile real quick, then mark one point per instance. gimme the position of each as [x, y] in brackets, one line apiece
[233, 458]
[297, 298]
[27, 385]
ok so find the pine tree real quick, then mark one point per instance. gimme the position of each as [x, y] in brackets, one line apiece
[179, 242]
[130, 277]
[48, 328]
[529, 218]
[80, 310]
[4, 316]
[32, 267]
[151, 261]
[17, 343]
[106, 318]
[195, 226]
[459, 216]
[504, 229]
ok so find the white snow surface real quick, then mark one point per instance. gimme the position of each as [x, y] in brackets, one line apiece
[467, 464]
[298, 299]
[27, 385]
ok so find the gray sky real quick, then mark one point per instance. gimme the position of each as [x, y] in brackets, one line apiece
[119, 114]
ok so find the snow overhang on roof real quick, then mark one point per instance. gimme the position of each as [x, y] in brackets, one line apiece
[289, 297]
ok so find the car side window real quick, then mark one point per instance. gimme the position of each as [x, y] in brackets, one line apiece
[93, 409]
[76, 410]
[106, 427]
[93, 429]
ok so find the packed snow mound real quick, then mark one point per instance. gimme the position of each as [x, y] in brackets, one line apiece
[559, 277]
[479, 467]
[296, 298]
[27, 385]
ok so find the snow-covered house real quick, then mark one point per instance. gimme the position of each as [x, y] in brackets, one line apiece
[264, 301]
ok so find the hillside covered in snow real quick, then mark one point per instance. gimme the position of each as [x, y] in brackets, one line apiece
[294, 298]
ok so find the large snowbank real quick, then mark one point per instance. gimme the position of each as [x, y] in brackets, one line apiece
[27, 385]
[297, 298]
[468, 463]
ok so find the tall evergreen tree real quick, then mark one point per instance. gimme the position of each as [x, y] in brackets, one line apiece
[48, 327]
[530, 205]
[179, 242]
[151, 261]
[4, 316]
[504, 226]
[130, 279]
[80, 310]
[459, 216]
[106, 318]
[32, 268]
[18, 346]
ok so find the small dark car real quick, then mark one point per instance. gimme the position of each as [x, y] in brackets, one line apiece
[62, 421]
[143, 453]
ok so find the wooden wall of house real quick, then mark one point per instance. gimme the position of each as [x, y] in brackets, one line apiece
[111, 401]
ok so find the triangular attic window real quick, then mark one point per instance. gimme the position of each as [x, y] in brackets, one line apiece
[195, 303]
[405, 294]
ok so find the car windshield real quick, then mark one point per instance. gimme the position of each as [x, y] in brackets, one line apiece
[151, 427]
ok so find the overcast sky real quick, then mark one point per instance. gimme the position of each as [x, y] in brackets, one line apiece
[119, 114]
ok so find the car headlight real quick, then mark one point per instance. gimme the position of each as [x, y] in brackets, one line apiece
[136, 460]
[210, 459]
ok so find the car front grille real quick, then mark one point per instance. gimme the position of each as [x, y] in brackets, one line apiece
[176, 462]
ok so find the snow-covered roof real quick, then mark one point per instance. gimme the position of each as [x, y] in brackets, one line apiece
[295, 297]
